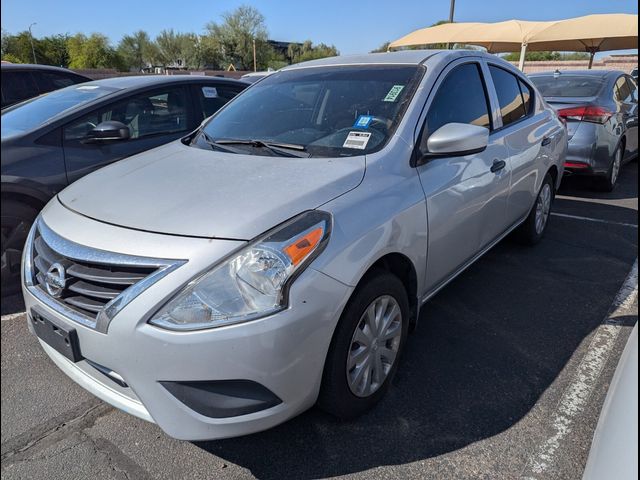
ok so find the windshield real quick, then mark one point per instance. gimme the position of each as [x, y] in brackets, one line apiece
[568, 85]
[325, 111]
[29, 115]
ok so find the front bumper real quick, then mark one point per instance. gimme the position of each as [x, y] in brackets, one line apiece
[284, 353]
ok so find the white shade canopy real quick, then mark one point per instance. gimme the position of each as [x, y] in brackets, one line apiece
[591, 33]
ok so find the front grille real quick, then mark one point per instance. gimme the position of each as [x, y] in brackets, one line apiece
[88, 286]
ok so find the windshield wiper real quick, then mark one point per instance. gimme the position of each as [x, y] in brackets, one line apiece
[279, 148]
[213, 144]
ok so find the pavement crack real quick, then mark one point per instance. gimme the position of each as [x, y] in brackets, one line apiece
[120, 463]
[51, 432]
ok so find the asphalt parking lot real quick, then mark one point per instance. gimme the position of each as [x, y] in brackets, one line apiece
[504, 378]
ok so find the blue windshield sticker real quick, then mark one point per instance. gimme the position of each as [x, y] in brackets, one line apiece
[363, 121]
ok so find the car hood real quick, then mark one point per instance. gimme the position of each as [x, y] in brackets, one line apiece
[182, 190]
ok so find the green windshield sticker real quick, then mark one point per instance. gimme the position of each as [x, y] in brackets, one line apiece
[393, 93]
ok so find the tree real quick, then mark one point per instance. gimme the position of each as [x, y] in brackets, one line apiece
[19, 47]
[54, 50]
[382, 48]
[307, 51]
[190, 50]
[137, 50]
[4, 42]
[235, 37]
[211, 52]
[168, 47]
[92, 52]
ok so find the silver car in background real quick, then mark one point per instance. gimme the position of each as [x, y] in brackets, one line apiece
[601, 111]
[278, 256]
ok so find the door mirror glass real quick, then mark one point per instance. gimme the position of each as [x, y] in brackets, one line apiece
[107, 131]
[458, 139]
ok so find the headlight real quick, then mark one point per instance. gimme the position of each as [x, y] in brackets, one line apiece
[251, 283]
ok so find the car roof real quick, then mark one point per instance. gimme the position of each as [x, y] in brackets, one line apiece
[30, 66]
[141, 81]
[405, 57]
[588, 73]
[401, 57]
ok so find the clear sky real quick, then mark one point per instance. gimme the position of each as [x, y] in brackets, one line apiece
[352, 26]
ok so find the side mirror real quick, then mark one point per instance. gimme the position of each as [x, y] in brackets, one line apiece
[108, 131]
[457, 139]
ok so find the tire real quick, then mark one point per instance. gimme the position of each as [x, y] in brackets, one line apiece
[609, 181]
[533, 228]
[340, 393]
[16, 221]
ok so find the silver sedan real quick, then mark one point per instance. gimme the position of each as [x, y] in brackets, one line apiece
[279, 255]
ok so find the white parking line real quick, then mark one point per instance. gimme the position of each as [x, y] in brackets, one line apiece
[589, 219]
[576, 395]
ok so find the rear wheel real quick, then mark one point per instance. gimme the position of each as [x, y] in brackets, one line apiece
[533, 228]
[364, 352]
[608, 183]
[16, 221]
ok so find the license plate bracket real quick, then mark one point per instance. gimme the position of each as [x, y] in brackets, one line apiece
[61, 338]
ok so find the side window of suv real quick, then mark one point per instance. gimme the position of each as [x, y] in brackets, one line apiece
[461, 98]
[156, 112]
[212, 97]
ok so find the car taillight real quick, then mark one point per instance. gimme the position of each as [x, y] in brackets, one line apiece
[586, 114]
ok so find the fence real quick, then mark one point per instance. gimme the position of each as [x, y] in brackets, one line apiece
[626, 63]
[100, 73]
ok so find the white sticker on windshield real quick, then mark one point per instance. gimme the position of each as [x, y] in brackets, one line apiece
[357, 140]
[210, 92]
[87, 87]
[393, 93]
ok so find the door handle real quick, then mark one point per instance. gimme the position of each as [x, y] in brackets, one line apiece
[498, 165]
[546, 141]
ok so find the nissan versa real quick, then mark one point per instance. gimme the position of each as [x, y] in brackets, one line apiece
[279, 255]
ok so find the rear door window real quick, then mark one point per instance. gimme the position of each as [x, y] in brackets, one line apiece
[17, 86]
[622, 91]
[527, 96]
[512, 106]
[461, 98]
[211, 97]
[633, 88]
[48, 81]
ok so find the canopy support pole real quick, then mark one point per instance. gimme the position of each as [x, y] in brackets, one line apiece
[592, 53]
[523, 53]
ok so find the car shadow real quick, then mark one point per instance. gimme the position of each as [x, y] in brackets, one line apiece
[11, 304]
[583, 186]
[485, 349]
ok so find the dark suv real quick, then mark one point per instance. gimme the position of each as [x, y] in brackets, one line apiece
[21, 81]
[50, 141]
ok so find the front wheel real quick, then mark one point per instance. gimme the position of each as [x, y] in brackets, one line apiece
[533, 228]
[364, 352]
